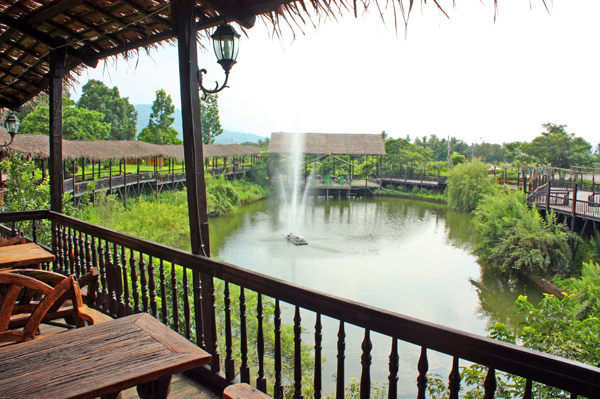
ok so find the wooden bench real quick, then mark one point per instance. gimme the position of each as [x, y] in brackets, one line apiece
[243, 391]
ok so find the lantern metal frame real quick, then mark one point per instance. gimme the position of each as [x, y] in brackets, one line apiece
[12, 126]
[226, 63]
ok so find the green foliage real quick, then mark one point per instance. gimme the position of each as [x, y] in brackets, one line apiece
[586, 289]
[556, 147]
[78, 123]
[211, 123]
[28, 191]
[512, 236]
[159, 129]
[467, 184]
[118, 112]
[457, 158]
[259, 171]
[352, 391]
[553, 327]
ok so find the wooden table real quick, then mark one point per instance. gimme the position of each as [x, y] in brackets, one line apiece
[22, 255]
[98, 360]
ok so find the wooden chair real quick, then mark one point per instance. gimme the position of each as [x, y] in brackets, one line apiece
[19, 238]
[16, 289]
[68, 306]
[243, 391]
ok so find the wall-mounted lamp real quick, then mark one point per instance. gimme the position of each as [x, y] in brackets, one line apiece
[12, 125]
[226, 42]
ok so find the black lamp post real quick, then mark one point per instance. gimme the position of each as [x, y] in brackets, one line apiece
[12, 125]
[226, 42]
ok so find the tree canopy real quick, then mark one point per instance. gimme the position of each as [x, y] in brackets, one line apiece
[118, 112]
[78, 123]
[159, 129]
[556, 147]
[211, 123]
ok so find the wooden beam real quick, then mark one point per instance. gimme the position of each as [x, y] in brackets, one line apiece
[53, 10]
[44, 38]
[58, 59]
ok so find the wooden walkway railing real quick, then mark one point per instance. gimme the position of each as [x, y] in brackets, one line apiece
[195, 296]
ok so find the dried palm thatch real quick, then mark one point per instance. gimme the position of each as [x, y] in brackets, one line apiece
[36, 146]
[324, 143]
[92, 30]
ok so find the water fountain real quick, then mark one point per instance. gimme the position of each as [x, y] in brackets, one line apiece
[296, 145]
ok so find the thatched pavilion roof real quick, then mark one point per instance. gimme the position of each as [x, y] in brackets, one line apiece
[326, 143]
[36, 146]
[92, 30]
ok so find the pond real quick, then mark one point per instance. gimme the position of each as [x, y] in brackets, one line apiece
[407, 256]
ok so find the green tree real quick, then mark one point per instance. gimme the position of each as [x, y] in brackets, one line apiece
[467, 184]
[30, 106]
[159, 129]
[556, 147]
[511, 151]
[118, 112]
[78, 123]
[211, 123]
[384, 135]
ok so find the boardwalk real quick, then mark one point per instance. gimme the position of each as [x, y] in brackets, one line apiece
[586, 206]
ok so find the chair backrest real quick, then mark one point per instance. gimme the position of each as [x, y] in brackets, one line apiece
[19, 295]
[19, 238]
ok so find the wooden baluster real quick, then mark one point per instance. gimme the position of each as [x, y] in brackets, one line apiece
[297, 355]
[118, 281]
[95, 296]
[394, 367]
[34, 231]
[186, 304]
[210, 321]
[423, 366]
[144, 283]
[489, 385]
[244, 369]
[152, 288]
[80, 254]
[341, 346]
[163, 293]
[72, 267]
[278, 388]
[126, 298]
[75, 252]
[198, 309]
[261, 382]
[67, 254]
[110, 278]
[229, 362]
[528, 389]
[318, 350]
[57, 247]
[134, 281]
[454, 379]
[88, 254]
[101, 261]
[365, 360]
[175, 299]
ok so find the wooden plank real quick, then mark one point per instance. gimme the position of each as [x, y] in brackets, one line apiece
[93, 361]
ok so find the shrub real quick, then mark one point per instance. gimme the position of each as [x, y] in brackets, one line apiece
[467, 184]
[512, 236]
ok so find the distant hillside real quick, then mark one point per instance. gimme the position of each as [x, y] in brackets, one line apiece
[228, 137]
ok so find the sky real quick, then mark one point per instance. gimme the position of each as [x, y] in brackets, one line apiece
[466, 76]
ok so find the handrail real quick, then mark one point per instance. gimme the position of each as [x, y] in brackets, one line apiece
[572, 376]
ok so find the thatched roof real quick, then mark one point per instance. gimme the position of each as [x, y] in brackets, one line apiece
[326, 143]
[37, 146]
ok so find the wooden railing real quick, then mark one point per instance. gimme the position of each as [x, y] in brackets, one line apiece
[194, 295]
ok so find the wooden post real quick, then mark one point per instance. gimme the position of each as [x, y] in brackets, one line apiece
[125, 182]
[139, 189]
[524, 182]
[74, 170]
[183, 21]
[110, 176]
[58, 58]
[156, 174]
[548, 195]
